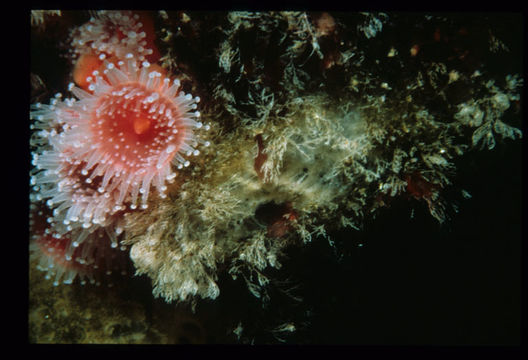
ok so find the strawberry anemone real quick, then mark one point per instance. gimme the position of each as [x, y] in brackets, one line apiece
[118, 140]
[99, 154]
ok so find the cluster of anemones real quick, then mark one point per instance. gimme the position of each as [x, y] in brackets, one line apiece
[100, 152]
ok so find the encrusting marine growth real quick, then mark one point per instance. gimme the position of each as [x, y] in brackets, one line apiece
[311, 133]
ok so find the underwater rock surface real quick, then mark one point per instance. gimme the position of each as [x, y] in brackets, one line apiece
[310, 137]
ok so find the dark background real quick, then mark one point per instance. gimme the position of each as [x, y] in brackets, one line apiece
[415, 282]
